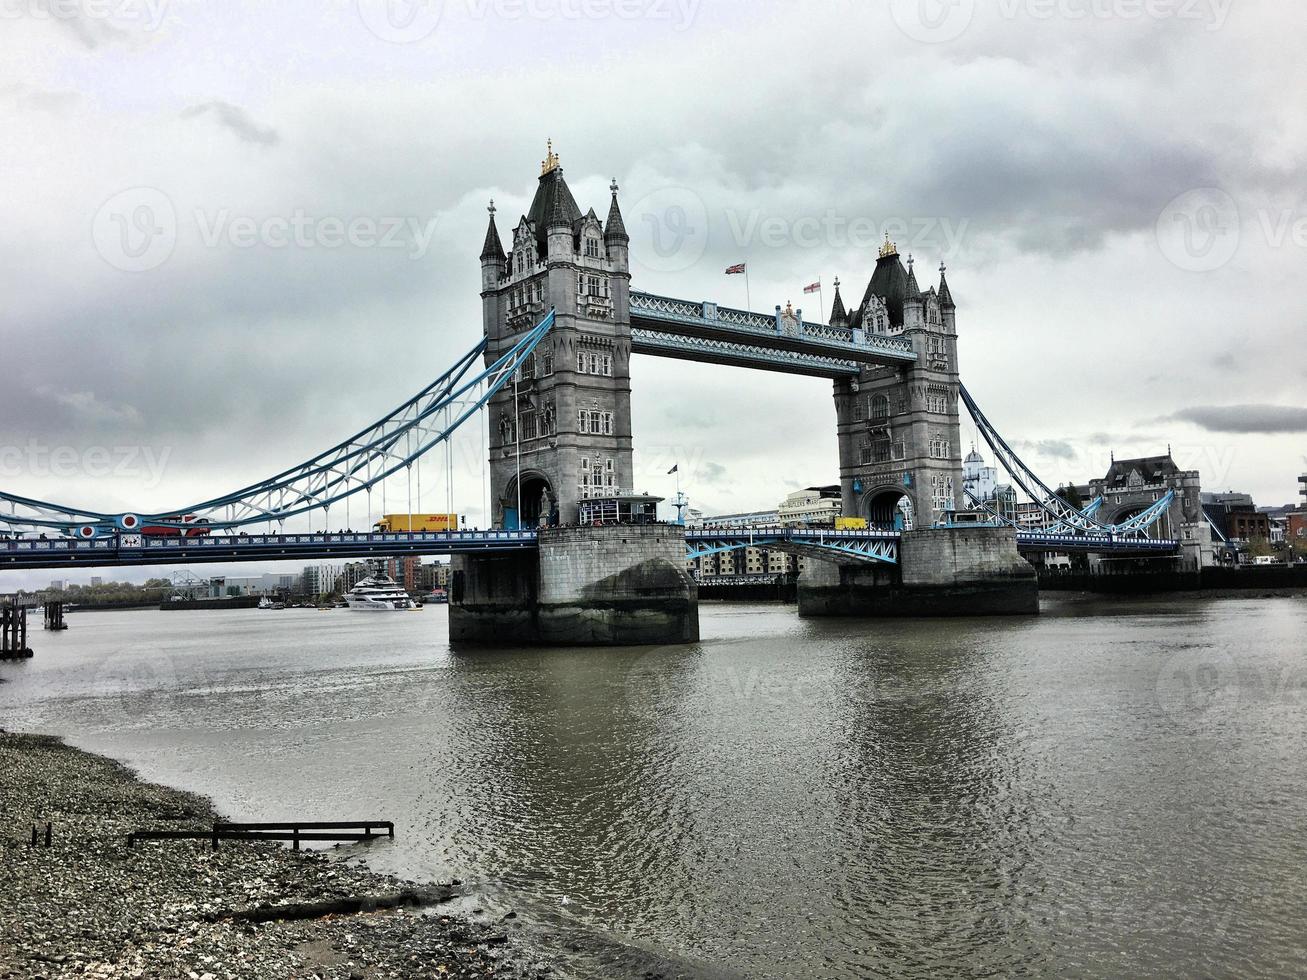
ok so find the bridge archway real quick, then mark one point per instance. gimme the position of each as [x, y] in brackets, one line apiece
[888, 507]
[1159, 530]
[538, 500]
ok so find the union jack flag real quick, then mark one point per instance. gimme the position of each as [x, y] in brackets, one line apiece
[738, 270]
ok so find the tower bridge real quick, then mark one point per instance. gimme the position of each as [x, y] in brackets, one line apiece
[560, 323]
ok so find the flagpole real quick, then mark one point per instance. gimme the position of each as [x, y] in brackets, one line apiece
[748, 299]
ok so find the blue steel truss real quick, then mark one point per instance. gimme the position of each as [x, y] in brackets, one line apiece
[869, 547]
[706, 320]
[386, 447]
[751, 355]
[865, 547]
[1065, 518]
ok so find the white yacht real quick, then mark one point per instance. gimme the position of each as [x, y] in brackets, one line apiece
[379, 593]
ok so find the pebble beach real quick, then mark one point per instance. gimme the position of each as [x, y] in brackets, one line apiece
[91, 906]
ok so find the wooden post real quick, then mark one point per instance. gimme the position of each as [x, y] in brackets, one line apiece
[49, 833]
[33, 835]
[215, 838]
[296, 839]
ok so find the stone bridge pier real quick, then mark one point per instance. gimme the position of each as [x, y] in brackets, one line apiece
[941, 572]
[587, 586]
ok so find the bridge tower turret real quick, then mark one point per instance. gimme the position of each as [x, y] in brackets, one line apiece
[560, 435]
[899, 435]
[567, 429]
[494, 266]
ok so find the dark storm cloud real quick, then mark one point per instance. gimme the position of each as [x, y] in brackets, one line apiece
[236, 119]
[1246, 419]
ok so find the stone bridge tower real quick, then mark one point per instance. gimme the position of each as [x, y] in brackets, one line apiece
[899, 438]
[570, 416]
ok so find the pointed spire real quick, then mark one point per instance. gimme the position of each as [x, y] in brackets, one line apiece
[615, 230]
[564, 211]
[493, 248]
[838, 315]
[945, 297]
[914, 291]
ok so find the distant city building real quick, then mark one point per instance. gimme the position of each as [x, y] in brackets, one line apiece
[266, 584]
[1295, 529]
[57, 585]
[756, 518]
[1030, 515]
[814, 506]
[352, 574]
[96, 581]
[1236, 516]
[1302, 489]
[405, 572]
[319, 579]
[979, 480]
[432, 577]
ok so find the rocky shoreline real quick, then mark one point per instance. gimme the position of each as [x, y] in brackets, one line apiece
[90, 906]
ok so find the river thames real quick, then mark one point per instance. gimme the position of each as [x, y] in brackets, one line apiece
[1111, 789]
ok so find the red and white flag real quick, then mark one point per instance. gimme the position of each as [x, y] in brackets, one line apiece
[814, 288]
[738, 270]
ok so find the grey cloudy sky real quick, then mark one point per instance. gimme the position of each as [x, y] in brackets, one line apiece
[1116, 186]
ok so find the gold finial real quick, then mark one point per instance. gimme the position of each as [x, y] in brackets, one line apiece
[550, 162]
[889, 248]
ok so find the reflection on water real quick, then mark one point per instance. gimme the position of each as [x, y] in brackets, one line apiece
[1109, 790]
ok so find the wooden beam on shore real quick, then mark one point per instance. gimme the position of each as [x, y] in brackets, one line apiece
[295, 833]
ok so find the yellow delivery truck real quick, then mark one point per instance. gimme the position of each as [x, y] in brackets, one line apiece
[401, 523]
